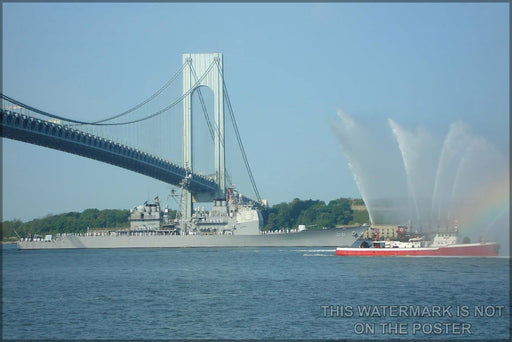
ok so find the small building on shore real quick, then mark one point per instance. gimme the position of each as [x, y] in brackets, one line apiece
[384, 232]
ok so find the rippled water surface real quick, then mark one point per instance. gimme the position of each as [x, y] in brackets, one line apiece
[248, 293]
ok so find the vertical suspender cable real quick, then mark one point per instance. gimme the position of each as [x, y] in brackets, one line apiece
[237, 134]
[212, 130]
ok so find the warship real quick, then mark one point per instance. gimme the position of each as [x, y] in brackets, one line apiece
[229, 223]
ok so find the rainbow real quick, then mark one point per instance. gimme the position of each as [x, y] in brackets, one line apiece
[487, 204]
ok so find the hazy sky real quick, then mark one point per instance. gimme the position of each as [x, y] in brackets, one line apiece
[288, 67]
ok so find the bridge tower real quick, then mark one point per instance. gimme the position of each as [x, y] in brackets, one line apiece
[196, 64]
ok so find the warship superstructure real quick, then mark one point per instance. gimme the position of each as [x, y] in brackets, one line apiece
[229, 223]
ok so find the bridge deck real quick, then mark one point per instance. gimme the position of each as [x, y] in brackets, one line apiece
[64, 138]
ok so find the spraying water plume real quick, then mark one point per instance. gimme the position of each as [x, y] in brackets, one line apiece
[376, 168]
[427, 182]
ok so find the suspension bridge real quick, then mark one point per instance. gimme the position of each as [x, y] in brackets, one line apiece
[148, 137]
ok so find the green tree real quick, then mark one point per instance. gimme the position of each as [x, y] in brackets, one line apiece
[72, 222]
[313, 213]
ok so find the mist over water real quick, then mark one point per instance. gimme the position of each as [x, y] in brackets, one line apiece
[428, 182]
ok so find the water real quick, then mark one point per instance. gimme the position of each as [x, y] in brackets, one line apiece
[238, 293]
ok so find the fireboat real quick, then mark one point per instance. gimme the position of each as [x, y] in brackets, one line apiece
[445, 243]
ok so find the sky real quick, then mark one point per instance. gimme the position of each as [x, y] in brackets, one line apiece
[289, 68]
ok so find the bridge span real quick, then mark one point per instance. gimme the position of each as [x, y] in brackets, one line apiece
[65, 138]
[150, 135]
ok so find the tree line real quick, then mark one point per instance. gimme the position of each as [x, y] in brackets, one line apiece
[314, 214]
[311, 213]
[73, 222]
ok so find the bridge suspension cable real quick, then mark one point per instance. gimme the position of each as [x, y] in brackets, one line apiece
[237, 133]
[203, 106]
[33, 109]
[208, 121]
[38, 111]
[158, 92]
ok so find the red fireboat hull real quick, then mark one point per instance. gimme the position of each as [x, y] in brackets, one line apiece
[474, 249]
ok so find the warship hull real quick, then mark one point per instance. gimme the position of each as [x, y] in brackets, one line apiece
[334, 237]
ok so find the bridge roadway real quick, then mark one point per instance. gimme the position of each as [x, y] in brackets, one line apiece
[64, 138]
